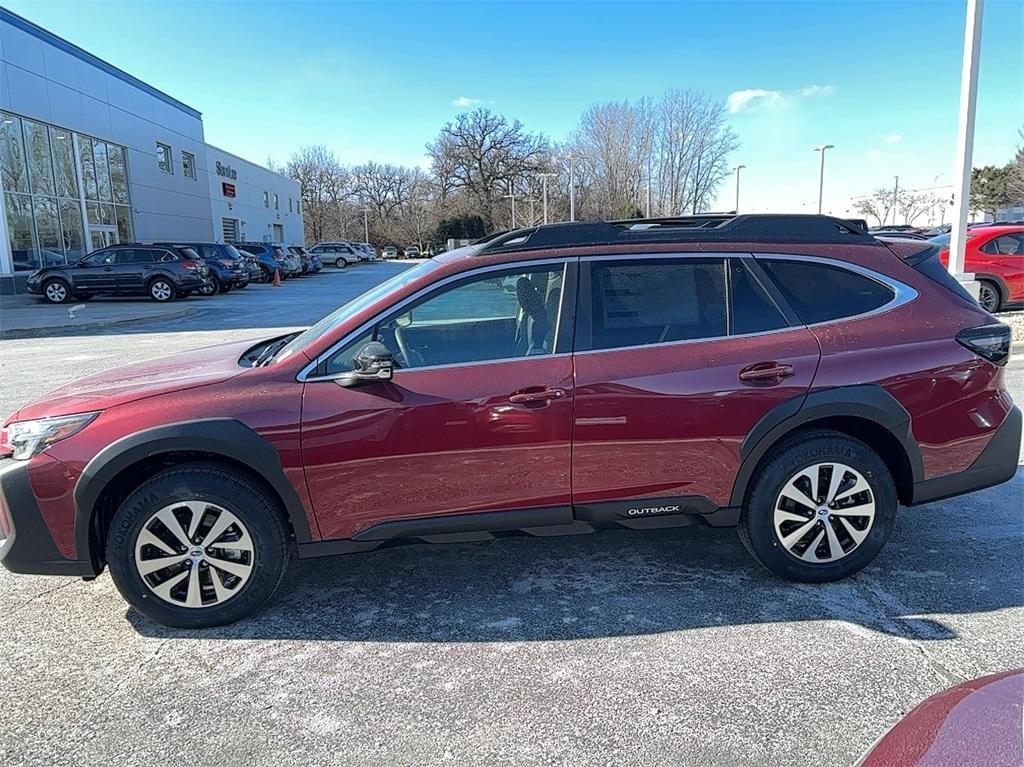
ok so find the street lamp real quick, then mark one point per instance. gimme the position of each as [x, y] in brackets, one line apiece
[366, 225]
[821, 173]
[544, 181]
[738, 168]
[512, 196]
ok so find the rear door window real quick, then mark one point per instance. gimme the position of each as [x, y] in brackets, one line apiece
[822, 292]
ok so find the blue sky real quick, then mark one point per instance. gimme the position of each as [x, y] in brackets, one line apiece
[377, 80]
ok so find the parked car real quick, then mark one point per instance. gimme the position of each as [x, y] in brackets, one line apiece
[995, 255]
[162, 272]
[639, 377]
[412, 251]
[935, 231]
[368, 249]
[389, 251]
[894, 228]
[339, 254]
[311, 263]
[899, 233]
[227, 266]
[272, 257]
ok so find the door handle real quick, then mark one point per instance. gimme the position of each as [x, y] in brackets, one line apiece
[764, 372]
[537, 396]
[109, 269]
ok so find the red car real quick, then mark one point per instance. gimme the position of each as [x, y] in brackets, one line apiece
[995, 254]
[789, 375]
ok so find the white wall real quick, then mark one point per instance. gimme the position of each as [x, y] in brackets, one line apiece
[47, 79]
[255, 220]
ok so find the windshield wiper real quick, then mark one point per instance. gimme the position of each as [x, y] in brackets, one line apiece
[267, 355]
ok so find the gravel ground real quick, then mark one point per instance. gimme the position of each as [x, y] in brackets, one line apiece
[1016, 321]
[667, 647]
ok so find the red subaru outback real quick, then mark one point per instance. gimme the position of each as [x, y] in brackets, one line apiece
[789, 375]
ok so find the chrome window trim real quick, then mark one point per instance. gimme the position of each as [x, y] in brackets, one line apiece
[306, 374]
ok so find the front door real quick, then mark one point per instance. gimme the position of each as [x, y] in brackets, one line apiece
[96, 272]
[677, 359]
[478, 417]
[102, 236]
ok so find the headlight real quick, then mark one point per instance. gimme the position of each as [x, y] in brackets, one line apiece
[30, 437]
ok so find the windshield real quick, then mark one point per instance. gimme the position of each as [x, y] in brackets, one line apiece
[233, 252]
[354, 306]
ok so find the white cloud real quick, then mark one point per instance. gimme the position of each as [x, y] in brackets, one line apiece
[893, 138]
[464, 102]
[874, 154]
[817, 90]
[752, 98]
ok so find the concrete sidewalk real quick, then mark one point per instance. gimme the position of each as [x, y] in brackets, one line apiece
[26, 316]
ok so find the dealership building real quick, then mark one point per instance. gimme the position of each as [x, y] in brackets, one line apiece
[90, 156]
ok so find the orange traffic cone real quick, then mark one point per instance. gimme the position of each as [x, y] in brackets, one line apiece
[277, 278]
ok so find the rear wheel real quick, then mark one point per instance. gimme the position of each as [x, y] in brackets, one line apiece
[197, 545]
[211, 287]
[989, 296]
[822, 507]
[56, 292]
[161, 290]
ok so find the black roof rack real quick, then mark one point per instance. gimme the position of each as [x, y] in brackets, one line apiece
[711, 227]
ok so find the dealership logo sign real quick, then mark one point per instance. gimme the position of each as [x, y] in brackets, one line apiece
[226, 171]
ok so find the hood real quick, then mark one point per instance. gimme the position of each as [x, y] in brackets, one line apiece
[186, 370]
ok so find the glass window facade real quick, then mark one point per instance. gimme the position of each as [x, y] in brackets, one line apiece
[45, 185]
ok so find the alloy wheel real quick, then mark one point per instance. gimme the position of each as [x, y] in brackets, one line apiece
[194, 554]
[824, 512]
[988, 297]
[56, 292]
[161, 291]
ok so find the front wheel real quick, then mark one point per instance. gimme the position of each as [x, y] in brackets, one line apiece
[821, 508]
[197, 545]
[56, 292]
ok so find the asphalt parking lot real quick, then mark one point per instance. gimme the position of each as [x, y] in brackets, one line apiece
[664, 647]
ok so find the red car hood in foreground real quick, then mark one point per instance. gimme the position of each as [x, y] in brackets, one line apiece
[185, 370]
[975, 723]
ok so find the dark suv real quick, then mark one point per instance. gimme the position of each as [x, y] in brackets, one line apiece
[789, 375]
[228, 268]
[272, 258]
[162, 272]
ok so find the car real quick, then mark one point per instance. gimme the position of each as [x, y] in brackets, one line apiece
[935, 231]
[272, 258]
[389, 251]
[995, 256]
[339, 254]
[723, 370]
[412, 251]
[902, 234]
[228, 269]
[364, 251]
[894, 228]
[311, 263]
[162, 272]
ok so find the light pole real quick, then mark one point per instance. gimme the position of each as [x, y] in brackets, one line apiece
[572, 189]
[895, 199]
[544, 182]
[511, 195]
[738, 168]
[821, 172]
[648, 184]
[366, 225]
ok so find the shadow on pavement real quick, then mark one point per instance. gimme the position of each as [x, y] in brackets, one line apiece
[959, 556]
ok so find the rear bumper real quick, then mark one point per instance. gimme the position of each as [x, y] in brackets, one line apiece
[28, 546]
[996, 464]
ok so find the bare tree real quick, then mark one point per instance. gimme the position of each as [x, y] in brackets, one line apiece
[323, 185]
[482, 154]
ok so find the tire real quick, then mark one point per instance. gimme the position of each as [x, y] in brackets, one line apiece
[989, 296]
[161, 290]
[211, 288]
[56, 292]
[775, 540]
[217, 493]
[242, 285]
[268, 276]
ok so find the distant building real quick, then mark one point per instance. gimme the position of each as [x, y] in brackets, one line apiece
[90, 155]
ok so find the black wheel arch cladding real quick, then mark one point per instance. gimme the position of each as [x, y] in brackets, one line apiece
[225, 437]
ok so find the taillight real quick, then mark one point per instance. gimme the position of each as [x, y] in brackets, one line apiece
[992, 342]
[189, 264]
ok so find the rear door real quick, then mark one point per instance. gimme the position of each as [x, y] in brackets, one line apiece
[676, 359]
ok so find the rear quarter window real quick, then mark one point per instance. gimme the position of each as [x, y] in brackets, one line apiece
[822, 292]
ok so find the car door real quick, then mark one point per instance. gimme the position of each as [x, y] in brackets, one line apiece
[677, 358]
[134, 268]
[96, 273]
[477, 418]
[1003, 257]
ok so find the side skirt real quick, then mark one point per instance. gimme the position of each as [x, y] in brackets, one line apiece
[647, 514]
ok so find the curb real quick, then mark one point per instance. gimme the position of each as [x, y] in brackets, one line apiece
[57, 330]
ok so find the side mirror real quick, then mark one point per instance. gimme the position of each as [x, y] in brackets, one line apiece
[374, 362]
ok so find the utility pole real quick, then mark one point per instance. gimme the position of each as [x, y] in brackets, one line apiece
[738, 168]
[366, 225]
[696, 185]
[511, 195]
[544, 182]
[649, 184]
[572, 188]
[821, 172]
[895, 200]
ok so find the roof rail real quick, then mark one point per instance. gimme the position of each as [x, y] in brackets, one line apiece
[711, 227]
